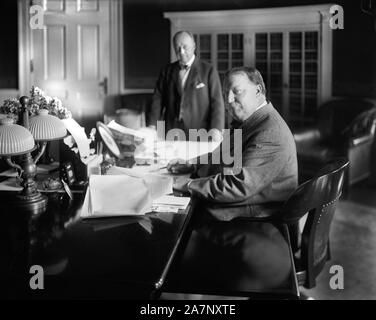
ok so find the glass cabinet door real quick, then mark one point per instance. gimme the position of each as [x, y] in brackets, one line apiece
[230, 52]
[296, 99]
[303, 75]
[269, 61]
[288, 61]
[203, 46]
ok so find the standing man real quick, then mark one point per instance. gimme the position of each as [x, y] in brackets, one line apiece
[188, 93]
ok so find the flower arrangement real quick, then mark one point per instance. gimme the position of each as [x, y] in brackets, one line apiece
[38, 100]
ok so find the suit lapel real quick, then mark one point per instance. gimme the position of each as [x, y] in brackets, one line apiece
[175, 78]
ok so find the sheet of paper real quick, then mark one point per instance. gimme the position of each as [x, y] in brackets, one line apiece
[168, 150]
[141, 171]
[119, 195]
[10, 184]
[158, 184]
[41, 168]
[169, 203]
[79, 135]
[172, 201]
[115, 126]
[112, 222]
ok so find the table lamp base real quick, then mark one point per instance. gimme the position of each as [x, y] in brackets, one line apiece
[34, 204]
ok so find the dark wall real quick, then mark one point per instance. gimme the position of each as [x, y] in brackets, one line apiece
[9, 45]
[147, 41]
[146, 45]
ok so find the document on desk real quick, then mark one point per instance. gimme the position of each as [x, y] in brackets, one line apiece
[123, 195]
[79, 135]
[170, 203]
[187, 150]
[117, 195]
[159, 184]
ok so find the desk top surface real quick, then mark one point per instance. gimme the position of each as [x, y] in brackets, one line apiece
[119, 250]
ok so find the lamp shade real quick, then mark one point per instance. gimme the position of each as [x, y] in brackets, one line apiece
[14, 139]
[45, 127]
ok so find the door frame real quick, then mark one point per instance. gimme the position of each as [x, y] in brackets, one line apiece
[25, 53]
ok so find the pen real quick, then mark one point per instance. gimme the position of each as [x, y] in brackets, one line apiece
[157, 169]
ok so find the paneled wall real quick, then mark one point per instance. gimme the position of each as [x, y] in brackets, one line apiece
[8, 45]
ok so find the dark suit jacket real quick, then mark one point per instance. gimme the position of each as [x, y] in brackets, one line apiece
[202, 97]
[268, 173]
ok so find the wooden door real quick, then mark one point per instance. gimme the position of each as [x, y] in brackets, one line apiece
[70, 55]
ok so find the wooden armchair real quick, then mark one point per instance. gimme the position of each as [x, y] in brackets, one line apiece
[262, 268]
[317, 198]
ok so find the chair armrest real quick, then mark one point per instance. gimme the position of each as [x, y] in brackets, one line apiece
[354, 142]
[366, 138]
[306, 136]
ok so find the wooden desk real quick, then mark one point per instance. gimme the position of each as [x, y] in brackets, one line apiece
[123, 258]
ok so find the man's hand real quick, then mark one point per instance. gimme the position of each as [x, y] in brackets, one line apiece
[216, 135]
[181, 184]
[180, 166]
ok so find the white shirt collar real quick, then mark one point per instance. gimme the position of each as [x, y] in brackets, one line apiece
[261, 105]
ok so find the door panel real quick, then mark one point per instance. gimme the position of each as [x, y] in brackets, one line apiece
[54, 51]
[88, 53]
[70, 55]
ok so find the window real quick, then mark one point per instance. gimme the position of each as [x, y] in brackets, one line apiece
[290, 46]
[227, 54]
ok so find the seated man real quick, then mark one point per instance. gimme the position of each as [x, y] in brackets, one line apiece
[245, 254]
[268, 172]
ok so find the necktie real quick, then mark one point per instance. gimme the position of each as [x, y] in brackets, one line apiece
[183, 70]
[182, 74]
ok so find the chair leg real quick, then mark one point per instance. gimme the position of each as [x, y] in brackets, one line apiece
[346, 185]
[294, 234]
[303, 296]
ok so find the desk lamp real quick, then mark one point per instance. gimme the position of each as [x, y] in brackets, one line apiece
[16, 140]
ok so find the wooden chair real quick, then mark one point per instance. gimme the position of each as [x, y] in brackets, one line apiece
[213, 271]
[318, 199]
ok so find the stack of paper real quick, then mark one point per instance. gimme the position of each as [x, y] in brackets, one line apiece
[121, 194]
[170, 203]
[116, 195]
[186, 150]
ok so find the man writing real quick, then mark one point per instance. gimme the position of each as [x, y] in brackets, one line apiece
[225, 249]
[269, 165]
[188, 92]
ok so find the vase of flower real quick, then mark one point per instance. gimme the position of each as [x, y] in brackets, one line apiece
[38, 100]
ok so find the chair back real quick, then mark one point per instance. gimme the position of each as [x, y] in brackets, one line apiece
[317, 197]
[335, 115]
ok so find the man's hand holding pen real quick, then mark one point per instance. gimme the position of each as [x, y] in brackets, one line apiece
[180, 166]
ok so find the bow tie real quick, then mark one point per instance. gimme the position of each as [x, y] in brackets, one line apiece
[184, 66]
